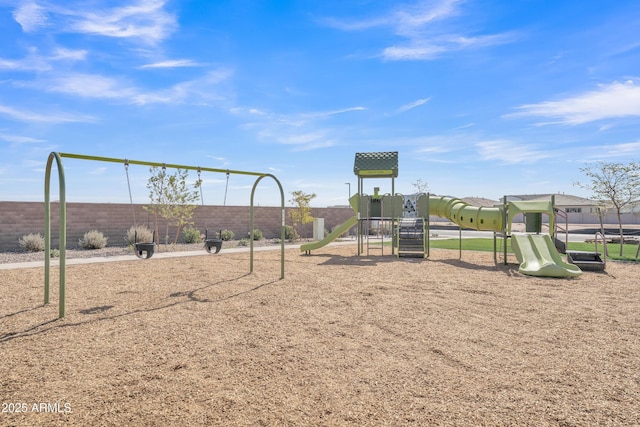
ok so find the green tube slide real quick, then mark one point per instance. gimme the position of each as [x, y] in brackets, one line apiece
[464, 214]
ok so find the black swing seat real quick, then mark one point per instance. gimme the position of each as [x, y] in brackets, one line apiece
[213, 246]
[145, 250]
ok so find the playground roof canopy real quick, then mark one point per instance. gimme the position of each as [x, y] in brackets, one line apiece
[376, 165]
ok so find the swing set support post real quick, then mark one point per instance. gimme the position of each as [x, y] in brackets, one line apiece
[62, 232]
[282, 224]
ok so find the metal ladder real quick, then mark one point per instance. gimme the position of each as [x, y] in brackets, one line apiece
[375, 241]
[410, 237]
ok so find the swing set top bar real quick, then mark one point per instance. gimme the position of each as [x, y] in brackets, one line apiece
[157, 164]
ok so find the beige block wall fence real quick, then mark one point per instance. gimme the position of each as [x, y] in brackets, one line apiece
[114, 219]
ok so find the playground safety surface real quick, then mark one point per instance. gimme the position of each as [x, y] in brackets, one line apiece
[342, 340]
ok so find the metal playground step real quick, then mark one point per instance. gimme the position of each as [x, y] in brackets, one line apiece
[411, 237]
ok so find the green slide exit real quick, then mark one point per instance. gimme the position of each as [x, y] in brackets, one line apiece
[331, 236]
[538, 257]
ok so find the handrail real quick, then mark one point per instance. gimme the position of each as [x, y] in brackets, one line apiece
[604, 247]
[562, 214]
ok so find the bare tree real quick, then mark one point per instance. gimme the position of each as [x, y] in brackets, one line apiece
[421, 185]
[614, 184]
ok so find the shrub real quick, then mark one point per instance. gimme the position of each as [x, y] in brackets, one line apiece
[55, 253]
[290, 233]
[257, 234]
[144, 235]
[227, 235]
[243, 242]
[32, 242]
[191, 235]
[93, 239]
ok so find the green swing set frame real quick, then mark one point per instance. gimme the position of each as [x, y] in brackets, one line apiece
[57, 156]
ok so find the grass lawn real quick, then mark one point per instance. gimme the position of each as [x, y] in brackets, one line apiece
[486, 245]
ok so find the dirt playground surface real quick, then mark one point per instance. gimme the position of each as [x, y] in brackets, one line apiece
[342, 340]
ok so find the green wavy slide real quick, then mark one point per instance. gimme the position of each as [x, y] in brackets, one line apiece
[331, 236]
[538, 257]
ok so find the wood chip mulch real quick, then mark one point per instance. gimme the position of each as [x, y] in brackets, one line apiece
[342, 340]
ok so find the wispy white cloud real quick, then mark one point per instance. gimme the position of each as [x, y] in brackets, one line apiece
[35, 61]
[90, 86]
[30, 63]
[624, 150]
[171, 63]
[302, 132]
[406, 20]
[220, 160]
[203, 89]
[434, 149]
[615, 100]
[18, 139]
[30, 16]
[104, 87]
[320, 114]
[99, 171]
[61, 53]
[509, 152]
[422, 27]
[431, 48]
[143, 20]
[413, 104]
[302, 141]
[49, 117]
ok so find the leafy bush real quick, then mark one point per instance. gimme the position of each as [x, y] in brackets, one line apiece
[93, 239]
[257, 234]
[227, 235]
[243, 242]
[32, 242]
[290, 233]
[55, 253]
[144, 235]
[191, 235]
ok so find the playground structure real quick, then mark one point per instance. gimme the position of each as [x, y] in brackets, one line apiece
[404, 220]
[143, 250]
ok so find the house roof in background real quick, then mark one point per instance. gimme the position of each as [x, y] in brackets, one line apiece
[560, 199]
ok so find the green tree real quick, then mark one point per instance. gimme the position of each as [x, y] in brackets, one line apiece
[171, 198]
[302, 213]
[613, 184]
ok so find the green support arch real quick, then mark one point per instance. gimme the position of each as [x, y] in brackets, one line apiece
[63, 213]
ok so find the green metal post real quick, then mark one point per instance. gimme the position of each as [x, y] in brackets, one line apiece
[393, 212]
[427, 240]
[62, 232]
[504, 226]
[282, 224]
[552, 217]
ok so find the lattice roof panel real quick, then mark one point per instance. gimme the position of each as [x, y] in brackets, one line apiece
[376, 165]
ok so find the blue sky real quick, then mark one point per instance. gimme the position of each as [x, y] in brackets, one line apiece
[479, 97]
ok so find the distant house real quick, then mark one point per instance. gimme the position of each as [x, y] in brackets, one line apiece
[583, 211]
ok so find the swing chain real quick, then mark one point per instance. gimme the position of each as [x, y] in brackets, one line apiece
[133, 211]
[226, 187]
